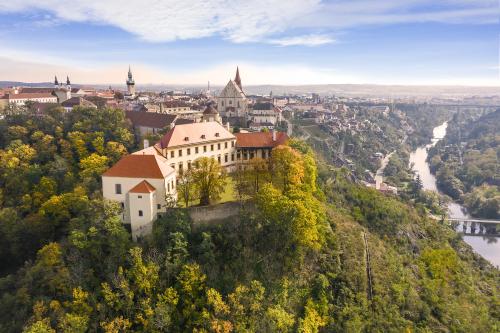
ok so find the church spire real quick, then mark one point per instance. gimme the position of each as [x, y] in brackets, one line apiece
[67, 80]
[237, 79]
[56, 83]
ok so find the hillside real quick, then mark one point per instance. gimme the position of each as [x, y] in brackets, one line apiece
[310, 252]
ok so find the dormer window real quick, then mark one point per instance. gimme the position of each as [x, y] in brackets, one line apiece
[217, 134]
[186, 138]
[203, 136]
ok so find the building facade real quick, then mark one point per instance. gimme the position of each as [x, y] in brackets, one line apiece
[232, 102]
[144, 185]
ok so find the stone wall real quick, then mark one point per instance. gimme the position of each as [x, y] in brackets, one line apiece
[214, 213]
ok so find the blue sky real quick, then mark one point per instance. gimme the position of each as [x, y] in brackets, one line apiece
[274, 42]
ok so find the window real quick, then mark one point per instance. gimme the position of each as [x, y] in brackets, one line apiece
[122, 205]
[196, 150]
[158, 206]
[225, 144]
[230, 102]
[140, 213]
[238, 103]
[180, 152]
[225, 158]
[118, 188]
[186, 138]
[218, 159]
[189, 151]
[238, 155]
[212, 147]
[189, 165]
[203, 136]
[168, 187]
[217, 134]
[218, 146]
[204, 149]
[232, 157]
[222, 103]
[139, 196]
[232, 144]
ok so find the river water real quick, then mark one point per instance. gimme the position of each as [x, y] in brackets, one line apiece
[488, 247]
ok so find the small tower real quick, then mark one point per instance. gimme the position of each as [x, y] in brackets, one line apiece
[210, 113]
[68, 84]
[56, 83]
[237, 78]
[130, 83]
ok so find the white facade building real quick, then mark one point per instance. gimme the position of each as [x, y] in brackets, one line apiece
[184, 144]
[144, 185]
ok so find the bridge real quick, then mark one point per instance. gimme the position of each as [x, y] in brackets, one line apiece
[476, 227]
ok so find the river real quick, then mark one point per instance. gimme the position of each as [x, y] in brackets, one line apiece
[487, 247]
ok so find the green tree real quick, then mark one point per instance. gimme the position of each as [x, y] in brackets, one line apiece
[210, 179]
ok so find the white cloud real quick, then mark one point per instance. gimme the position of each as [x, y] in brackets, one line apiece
[256, 20]
[305, 40]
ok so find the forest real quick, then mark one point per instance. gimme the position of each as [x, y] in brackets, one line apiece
[466, 162]
[310, 251]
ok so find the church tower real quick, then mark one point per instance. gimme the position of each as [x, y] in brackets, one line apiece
[237, 78]
[130, 83]
[68, 84]
[56, 82]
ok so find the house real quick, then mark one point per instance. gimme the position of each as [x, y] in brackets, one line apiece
[150, 122]
[258, 144]
[144, 185]
[183, 144]
[264, 115]
[21, 98]
[77, 101]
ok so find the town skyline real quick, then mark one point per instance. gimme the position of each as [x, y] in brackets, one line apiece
[413, 42]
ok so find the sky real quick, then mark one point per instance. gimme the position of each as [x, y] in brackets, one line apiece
[288, 42]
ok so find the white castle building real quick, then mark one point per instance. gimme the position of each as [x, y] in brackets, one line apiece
[142, 184]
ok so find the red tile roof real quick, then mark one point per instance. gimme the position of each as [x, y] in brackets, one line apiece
[260, 140]
[143, 187]
[140, 166]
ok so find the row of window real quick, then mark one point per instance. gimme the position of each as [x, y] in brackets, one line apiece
[197, 149]
[246, 155]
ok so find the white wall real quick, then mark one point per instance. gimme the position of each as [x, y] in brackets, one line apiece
[185, 158]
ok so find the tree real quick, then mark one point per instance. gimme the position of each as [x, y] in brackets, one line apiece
[210, 179]
[287, 167]
[186, 187]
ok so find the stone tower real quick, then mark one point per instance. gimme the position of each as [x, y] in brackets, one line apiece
[130, 83]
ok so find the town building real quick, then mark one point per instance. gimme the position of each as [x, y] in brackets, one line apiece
[21, 98]
[144, 185]
[146, 123]
[232, 102]
[258, 144]
[264, 115]
[69, 104]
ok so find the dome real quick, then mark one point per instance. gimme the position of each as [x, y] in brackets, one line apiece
[210, 109]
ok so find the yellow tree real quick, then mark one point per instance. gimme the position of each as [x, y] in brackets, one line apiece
[287, 167]
[210, 179]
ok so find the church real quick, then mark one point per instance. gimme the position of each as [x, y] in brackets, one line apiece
[232, 102]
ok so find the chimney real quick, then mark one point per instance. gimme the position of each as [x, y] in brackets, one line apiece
[274, 134]
[146, 143]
